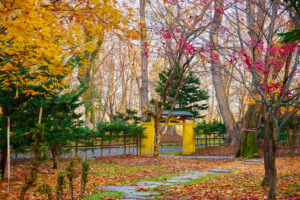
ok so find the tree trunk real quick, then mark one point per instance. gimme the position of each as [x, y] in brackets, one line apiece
[55, 157]
[157, 134]
[4, 148]
[3, 161]
[291, 142]
[248, 145]
[273, 171]
[71, 190]
[36, 162]
[32, 178]
[144, 100]
[76, 148]
[232, 129]
[171, 130]
[267, 156]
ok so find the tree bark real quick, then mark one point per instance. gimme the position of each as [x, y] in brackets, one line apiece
[249, 123]
[267, 156]
[144, 100]
[273, 171]
[157, 131]
[171, 130]
[217, 76]
[3, 162]
[55, 157]
[4, 148]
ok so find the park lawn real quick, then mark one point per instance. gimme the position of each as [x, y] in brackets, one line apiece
[130, 169]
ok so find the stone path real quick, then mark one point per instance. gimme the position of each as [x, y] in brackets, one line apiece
[142, 188]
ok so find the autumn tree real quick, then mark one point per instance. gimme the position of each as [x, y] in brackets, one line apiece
[177, 43]
[116, 22]
[270, 65]
[39, 37]
[144, 99]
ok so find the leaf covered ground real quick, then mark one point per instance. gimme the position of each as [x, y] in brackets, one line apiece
[243, 183]
[230, 150]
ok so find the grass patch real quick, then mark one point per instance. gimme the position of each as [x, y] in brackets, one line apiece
[171, 143]
[172, 153]
[115, 169]
[101, 195]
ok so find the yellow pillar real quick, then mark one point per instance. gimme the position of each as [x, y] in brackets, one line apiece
[188, 140]
[147, 143]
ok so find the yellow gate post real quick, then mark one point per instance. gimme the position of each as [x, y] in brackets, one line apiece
[147, 143]
[188, 140]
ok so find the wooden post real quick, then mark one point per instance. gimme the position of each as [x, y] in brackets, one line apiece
[137, 146]
[129, 151]
[214, 138]
[109, 144]
[8, 155]
[117, 144]
[101, 147]
[140, 145]
[124, 138]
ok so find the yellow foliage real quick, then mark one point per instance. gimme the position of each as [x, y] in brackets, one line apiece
[36, 33]
[250, 100]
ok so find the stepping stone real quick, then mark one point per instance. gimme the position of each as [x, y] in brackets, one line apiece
[150, 184]
[124, 189]
[177, 180]
[136, 198]
[202, 173]
[238, 166]
[246, 163]
[137, 193]
[188, 177]
[254, 161]
[131, 190]
[221, 170]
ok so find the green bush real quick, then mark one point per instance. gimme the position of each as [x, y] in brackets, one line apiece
[210, 128]
[116, 130]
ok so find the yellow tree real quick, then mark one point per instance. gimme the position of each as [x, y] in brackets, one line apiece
[38, 38]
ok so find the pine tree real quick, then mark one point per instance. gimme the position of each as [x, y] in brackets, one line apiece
[189, 96]
[62, 121]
